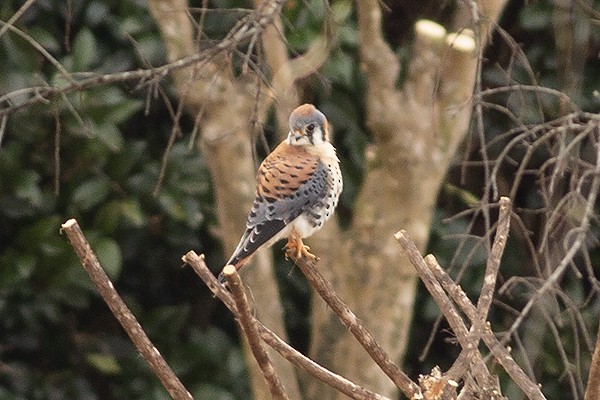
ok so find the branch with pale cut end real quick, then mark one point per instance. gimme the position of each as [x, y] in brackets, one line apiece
[460, 65]
[122, 313]
[248, 325]
[458, 74]
[451, 314]
[500, 353]
[423, 72]
[488, 288]
[289, 353]
[356, 327]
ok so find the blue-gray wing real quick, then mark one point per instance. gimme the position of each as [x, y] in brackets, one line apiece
[291, 181]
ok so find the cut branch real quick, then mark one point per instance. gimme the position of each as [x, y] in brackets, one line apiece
[464, 337]
[423, 73]
[355, 325]
[129, 323]
[247, 28]
[289, 353]
[500, 353]
[489, 286]
[248, 326]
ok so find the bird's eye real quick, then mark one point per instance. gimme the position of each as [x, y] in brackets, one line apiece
[310, 128]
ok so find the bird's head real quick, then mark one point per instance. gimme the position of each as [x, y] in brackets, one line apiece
[308, 126]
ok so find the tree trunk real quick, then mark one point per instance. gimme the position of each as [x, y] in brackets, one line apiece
[416, 132]
[227, 108]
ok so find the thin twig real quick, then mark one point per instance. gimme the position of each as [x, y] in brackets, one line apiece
[175, 131]
[122, 313]
[525, 88]
[36, 45]
[337, 382]
[356, 327]
[489, 283]
[501, 354]
[248, 27]
[451, 314]
[248, 325]
[574, 247]
[493, 261]
[16, 16]
[3, 121]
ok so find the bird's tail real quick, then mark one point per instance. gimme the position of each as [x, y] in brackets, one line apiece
[237, 263]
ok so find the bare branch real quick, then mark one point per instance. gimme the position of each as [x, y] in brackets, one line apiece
[488, 289]
[479, 15]
[66, 74]
[122, 313]
[248, 325]
[355, 325]
[526, 88]
[247, 28]
[337, 382]
[449, 311]
[16, 16]
[57, 134]
[457, 76]
[283, 82]
[2, 128]
[423, 73]
[381, 67]
[318, 51]
[501, 354]
[405, 124]
[489, 11]
[493, 261]
[574, 247]
[224, 106]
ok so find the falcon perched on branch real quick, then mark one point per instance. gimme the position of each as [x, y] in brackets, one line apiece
[298, 188]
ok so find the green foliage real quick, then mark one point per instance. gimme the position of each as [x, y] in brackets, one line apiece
[96, 155]
[526, 54]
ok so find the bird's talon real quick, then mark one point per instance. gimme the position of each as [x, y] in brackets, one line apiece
[297, 250]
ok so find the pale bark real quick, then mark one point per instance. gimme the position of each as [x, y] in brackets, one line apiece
[283, 88]
[227, 108]
[416, 132]
[117, 306]
[285, 71]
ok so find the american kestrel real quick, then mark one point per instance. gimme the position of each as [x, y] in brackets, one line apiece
[298, 187]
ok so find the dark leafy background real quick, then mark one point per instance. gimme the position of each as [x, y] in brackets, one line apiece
[57, 338]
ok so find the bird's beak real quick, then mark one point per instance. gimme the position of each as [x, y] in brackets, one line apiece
[298, 134]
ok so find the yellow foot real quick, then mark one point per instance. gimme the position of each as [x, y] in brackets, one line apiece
[295, 249]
